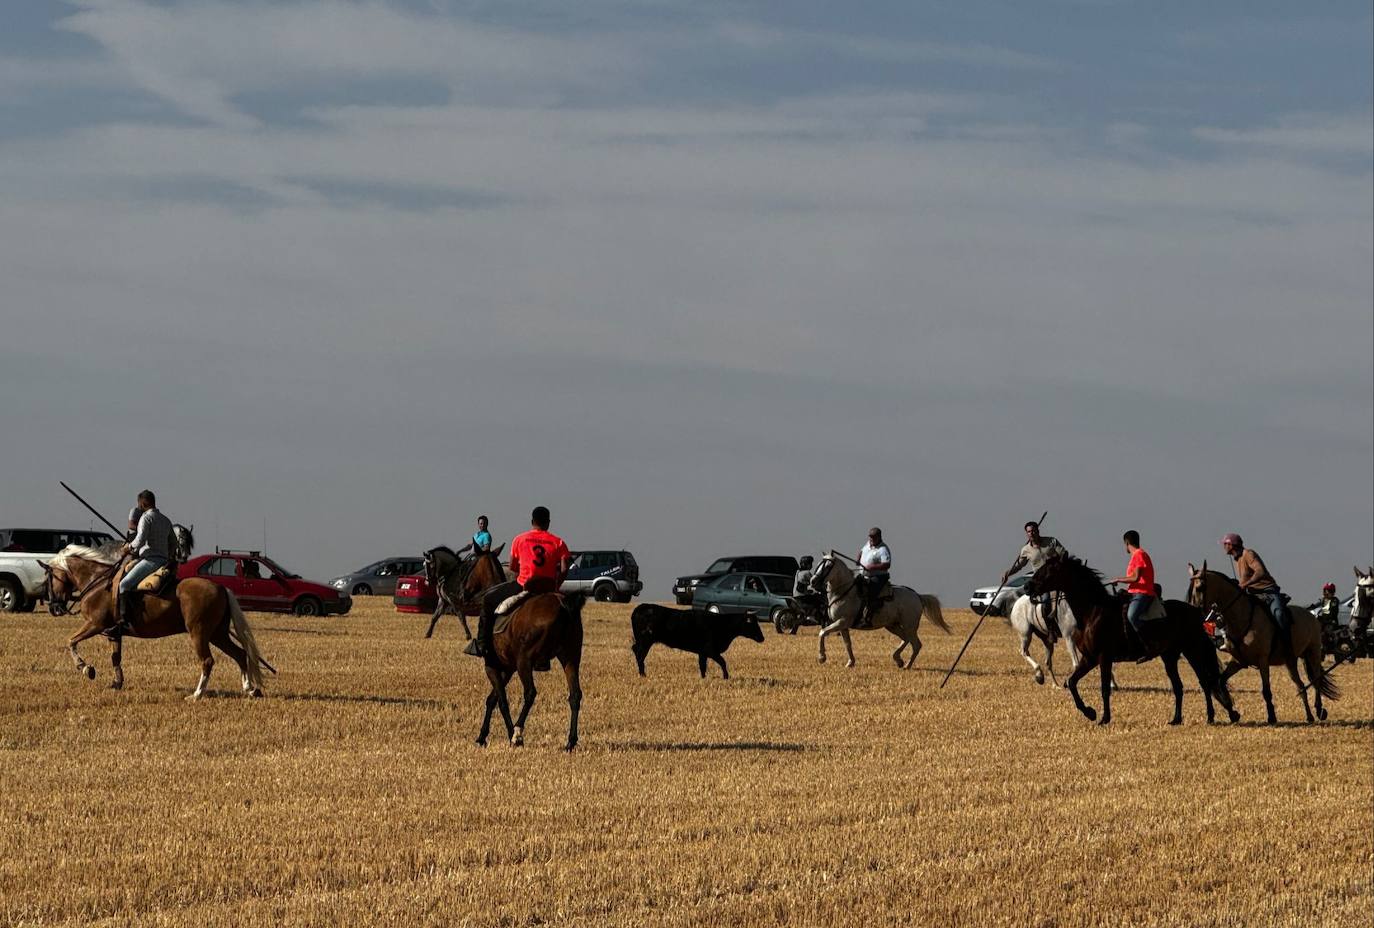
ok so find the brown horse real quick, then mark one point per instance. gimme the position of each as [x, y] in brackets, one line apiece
[459, 584]
[1252, 638]
[1103, 639]
[207, 612]
[545, 626]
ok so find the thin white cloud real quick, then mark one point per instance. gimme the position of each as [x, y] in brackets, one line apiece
[1302, 134]
[752, 35]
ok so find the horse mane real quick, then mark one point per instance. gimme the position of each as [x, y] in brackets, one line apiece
[1085, 574]
[444, 548]
[107, 553]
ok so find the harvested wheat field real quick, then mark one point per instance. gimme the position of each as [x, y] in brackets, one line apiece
[791, 794]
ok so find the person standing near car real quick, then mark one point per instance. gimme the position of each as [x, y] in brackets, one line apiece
[539, 559]
[481, 539]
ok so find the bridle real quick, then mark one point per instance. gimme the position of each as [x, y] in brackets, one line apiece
[1217, 614]
[822, 573]
[65, 606]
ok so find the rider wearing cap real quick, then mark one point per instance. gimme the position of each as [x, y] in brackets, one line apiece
[1254, 578]
[1033, 554]
[1329, 609]
[875, 560]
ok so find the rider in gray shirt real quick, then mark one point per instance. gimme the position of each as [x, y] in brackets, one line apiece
[152, 546]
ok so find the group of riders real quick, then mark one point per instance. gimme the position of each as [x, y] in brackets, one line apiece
[539, 560]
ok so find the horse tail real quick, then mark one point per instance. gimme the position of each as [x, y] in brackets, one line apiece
[1318, 678]
[238, 624]
[931, 606]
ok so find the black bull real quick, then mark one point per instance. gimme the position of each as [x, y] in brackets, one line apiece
[705, 634]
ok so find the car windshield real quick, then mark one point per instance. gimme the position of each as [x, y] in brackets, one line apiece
[279, 570]
[1018, 581]
[719, 567]
[782, 586]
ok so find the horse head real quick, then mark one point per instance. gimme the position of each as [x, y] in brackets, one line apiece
[184, 540]
[1363, 606]
[1053, 576]
[830, 573]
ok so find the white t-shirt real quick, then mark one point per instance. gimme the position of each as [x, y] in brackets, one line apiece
[870, 557]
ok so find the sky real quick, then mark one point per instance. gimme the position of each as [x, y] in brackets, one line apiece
[703, 278]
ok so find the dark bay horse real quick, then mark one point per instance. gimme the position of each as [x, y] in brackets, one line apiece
[1252, 638]
[207, 612]
[459, 584]
[1102, 637]
[544, 627]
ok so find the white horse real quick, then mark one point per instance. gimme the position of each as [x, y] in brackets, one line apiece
[1027, 620]
[900, 615]
[1362, 609]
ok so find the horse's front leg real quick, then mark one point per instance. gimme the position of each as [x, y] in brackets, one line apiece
[1263, 669]
[467, 632]
[517, 735]
[1104, 669]
[92, 628]
[827, 630]
[1079, 672]
[434, 620]
[1176, 683]
[848, 646]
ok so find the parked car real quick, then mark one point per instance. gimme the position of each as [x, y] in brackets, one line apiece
[378, 579]
[415, 594]
[982, 597]
[261, 585]
[766, 595]
[22, 579]
[607, 576]
[685, 587]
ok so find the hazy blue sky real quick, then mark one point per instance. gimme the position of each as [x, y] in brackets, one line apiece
[704, 278]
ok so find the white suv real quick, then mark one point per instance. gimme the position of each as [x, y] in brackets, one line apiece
[982, 597]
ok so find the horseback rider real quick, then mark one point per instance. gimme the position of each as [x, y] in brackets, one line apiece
[1141, 587]
[152, 546]
[1329, 609]
[481, 540]
[875, 560]
[801, 583]
[1255, 579]
[539, 559]
[1033, 554]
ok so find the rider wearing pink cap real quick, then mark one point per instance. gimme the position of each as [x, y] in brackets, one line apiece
[1254, 578]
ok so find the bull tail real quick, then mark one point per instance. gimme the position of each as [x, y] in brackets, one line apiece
[930, 605]
[243, 632]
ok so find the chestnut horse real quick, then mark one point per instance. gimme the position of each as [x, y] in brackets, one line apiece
[1102, 637]
[1253, 640]
[459, 584]
[207, 612]
[543, 627]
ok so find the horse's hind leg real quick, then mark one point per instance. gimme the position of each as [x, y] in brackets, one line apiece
[1025, 652]
[1072, 683]
[517, 736]
[237, 655]
[1104, 668]
[117, 662]
[89, 630]
[1263, 669]
[897, 654]
[207, 663]
[1171, 668]
[499, 678]
[486, 717]
[915, 643]
[1313, 661]
[1292, 666]
[573, 673]
[463, 620]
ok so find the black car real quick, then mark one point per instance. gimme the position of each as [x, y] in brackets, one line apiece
[683, 587]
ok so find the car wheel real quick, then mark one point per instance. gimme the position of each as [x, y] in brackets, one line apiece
[11, 596]
[308, 605]
[784, 620]
[362, 589]
[604, 592]
[713, 609]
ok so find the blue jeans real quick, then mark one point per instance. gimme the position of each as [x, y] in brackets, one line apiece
[140, 570]
[1139, 603]
[1278, 609]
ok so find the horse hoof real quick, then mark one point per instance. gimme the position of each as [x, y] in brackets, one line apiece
[517, 742]
[1091, 713]
[255, 694]
[1040, 679]
[568, 748]
[89, 672]
[194, 697]
[1175, 721]
[481, 742]
[849, 663]
[116, 685]
[1235, 716]
[1321, 713]
[1105, 720]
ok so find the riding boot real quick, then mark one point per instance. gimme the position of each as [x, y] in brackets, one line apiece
[482, 645]
[1150, 644]
[125, 607]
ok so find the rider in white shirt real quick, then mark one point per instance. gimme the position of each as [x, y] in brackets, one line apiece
[875, 560]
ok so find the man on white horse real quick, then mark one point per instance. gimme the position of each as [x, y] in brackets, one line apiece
[152, 545]
[1033, 554]
[875, 561]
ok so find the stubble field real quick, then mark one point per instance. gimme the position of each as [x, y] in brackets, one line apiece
[791, 794]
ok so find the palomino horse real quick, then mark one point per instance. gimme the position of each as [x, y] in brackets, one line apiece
[1027, 620]
[543, 627]
[900, 615]
[1253, 639]
[460, 583]
[207, 612]
[1102, 638]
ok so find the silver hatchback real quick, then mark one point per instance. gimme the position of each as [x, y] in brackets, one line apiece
[378, 579]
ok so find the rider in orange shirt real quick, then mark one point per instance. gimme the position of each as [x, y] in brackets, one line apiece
[539, 560]
[1140, 586]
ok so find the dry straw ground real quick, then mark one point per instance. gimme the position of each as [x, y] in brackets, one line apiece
[792, 794]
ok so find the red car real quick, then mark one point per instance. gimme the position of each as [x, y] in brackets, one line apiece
[415, 594]
[263, 586]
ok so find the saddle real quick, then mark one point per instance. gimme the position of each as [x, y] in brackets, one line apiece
[161, 583]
